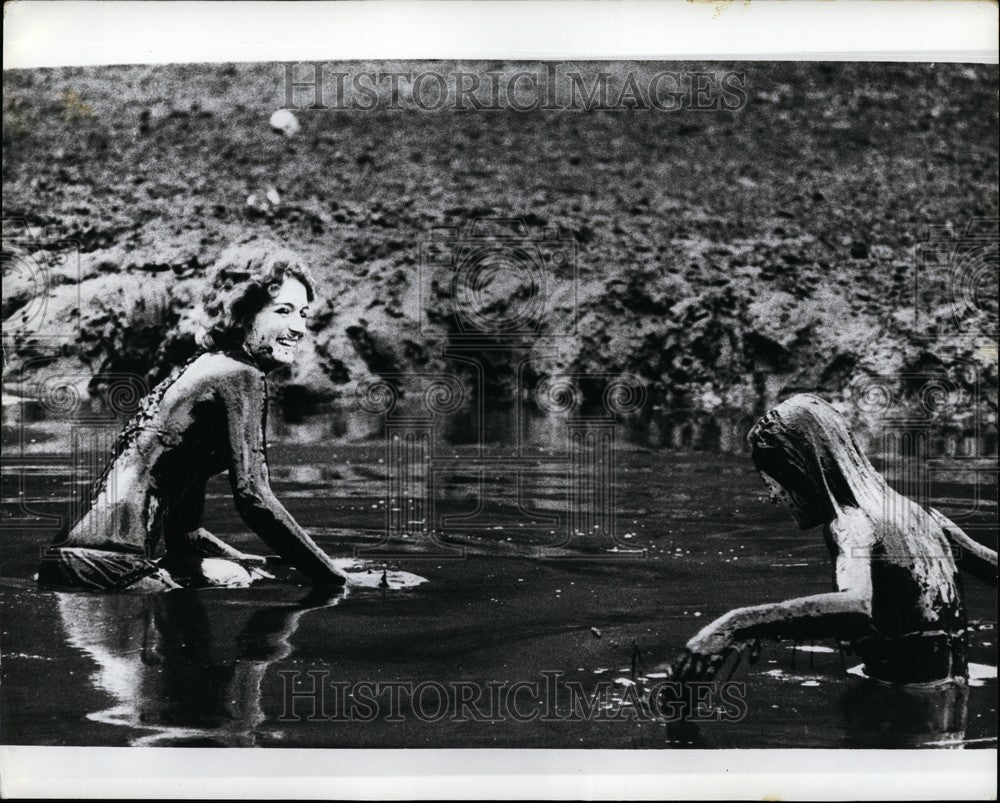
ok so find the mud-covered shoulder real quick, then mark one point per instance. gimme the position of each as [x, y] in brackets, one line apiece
[853, 530]
[222, 373]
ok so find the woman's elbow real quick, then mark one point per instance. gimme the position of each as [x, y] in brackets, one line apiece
[252, 503]
[859, 603]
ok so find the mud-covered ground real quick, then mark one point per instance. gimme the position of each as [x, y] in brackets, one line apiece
[811, 239]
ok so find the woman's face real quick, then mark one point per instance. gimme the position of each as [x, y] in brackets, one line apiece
[277, 330]
[803, 516]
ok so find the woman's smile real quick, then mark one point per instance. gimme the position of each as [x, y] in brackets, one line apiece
[275, 333]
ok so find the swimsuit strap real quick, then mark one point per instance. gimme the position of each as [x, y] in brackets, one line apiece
[137, 423]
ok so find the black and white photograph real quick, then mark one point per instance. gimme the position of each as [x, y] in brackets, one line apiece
[491, 403]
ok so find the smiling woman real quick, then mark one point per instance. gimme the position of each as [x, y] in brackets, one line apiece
[276, 331]
[258, 303]
[209, 415]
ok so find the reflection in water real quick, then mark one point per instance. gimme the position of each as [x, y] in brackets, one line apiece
[874, 714]
[911, 715]
[169, 674]
[188, 666]
[501, 422]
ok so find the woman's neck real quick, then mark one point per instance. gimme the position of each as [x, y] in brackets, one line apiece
[243, 355]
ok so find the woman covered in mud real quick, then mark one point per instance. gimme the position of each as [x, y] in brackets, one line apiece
[898, 600]
[207, 416]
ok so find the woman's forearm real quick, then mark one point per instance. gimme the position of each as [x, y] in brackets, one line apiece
[245, 397]
[845, 612]
[836, 613]
[267, 517]
[975, 558]
[841, 614]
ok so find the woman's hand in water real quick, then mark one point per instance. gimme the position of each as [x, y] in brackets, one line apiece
[705, 654]
[693, 666]
[714, 639]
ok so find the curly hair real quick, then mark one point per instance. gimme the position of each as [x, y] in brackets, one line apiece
[241, 283]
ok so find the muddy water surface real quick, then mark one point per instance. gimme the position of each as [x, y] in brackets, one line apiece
[535, 625]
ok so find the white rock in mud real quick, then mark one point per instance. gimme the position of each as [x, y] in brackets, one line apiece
[265, 202]
[363, 574]
[258, 204]
[284, 122]
[219, 572]
[979, 674]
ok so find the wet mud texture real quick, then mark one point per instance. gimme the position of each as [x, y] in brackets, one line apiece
[722, 257]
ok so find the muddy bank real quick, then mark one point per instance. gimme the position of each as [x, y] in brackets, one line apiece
[721, 258]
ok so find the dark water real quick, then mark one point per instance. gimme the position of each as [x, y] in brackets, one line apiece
[578, 564]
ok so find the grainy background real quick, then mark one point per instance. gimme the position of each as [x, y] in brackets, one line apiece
[725, 258]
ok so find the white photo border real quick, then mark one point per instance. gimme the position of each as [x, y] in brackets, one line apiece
[38, 33]
[48, 34]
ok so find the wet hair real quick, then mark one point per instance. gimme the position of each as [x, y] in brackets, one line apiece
[241, 283]
[807, 446]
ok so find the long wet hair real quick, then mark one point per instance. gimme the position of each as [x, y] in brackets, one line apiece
[807, 446]
[242, 282]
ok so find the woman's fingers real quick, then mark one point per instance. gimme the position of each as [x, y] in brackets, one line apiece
[695, 666]
[678, 667]
[713, 663]
[733, 658]
[688, 667]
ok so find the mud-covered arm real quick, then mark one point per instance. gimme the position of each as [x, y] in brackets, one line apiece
[187, 542]
[844, 613]
[244, 397]
[978, 560]
[838, 613]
